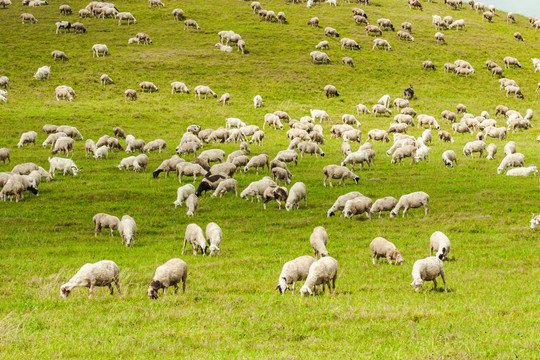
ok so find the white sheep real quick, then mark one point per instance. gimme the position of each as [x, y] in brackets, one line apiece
[338, 172]
[523, 171]
[192, 203]
[183, 193]
[380, 247]
[101, 273]
[362, 109]
[203, 90]
[43, 72]
[195, 236]
[169, 274]
[474, 146]
[257, 101]
[381, 109]
[512, 160]
[102, 220]
[318, 240]
[321, 272]
[125, 16]
[297, 192]
[179, 86]
[127, 229]
[381, 43]
[102, 152]
[441, 244]
[214, 235]
[491, 151]
[100, 49]
[64, 165]
[448, 157]
[385, 204]
[225, 186]
[294, 271]
[357, 157]
[427, 269]
[27, 138]
[256, 189]
[535, 221]
[357, 206]
[5, 155]
[411, 201]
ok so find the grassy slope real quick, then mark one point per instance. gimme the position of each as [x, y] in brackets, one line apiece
[230, 308]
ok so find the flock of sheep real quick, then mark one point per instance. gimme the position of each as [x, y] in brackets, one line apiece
[306, 136]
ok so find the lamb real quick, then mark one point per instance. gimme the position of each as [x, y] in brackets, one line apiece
[380, 247]
[511, 61]
[296, 194]
[126, 163]
[102, 220]
[461, 128]
[167, 275]
[102, 273]
[257, 188]
[203, 90]
[474, 146]
[338, 172]
[258, 161]
[408, 111]
[357, 206]
[192, 203]
[323, 45]
[441, 244]
[318, 240]
[294, 271]
[214, 236]
[321, 272]
[240, 161]
[189, 169]
[448, 157]
[191, 23]
[445, 136]
[385, 204]
[381, 43]
[384, 100]
[427, 269]
[411, 201]
[257, 101]
[195, 236]
[225, 186]
[512, 160]
[27, 138]
[225, 98]
[330, 91]
[276, 193]
[422, 153]
[287, 156]
[319, 57]
[4, 155]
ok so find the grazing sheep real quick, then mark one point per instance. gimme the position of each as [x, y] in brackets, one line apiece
[354, 158]
[178, 14]
[359, 19]
[445, 136]
[381, 109]
[427, 269]
[380, 247]
[338, 172]
[535, 221]
[192, 203]
[257, 101]
[43, 72]
[101, 152]
[512, 160]
[154, 145]
[57, 54]
[318, 240]
[461, 128]
[257, 188]
[258, 137]
[314, 21]
[510, 17]
[385, 24]
[404, 119]
[310, 148]
[169, 274]
[411, 201]
[474, 146]
[156, 3]
[329, 31]
[350, 120]
[102, 220]
[258, 161]
[319, 57]
[214, 236]
[347, 61]
[203, 90]
[321, 272]
[441, 244]
[4, 155]
[458, 24]
[373, 29]
[102, 273]
[225, 48]
[427, 120]
[415, 4]
[125, 16]
[137, 144]
[131, 94]
[28, 17]
[189, 169]
[225, 186]
[381, 43]
[491, 151]
[195, 236]
[105, 79]
[518, 36]
[143, 38]
[224, 98]
[379, 135]
[294, 271]
[385, 204]
[99, 49]
[127, 229]
[147, 85]
[27, 138]
[296, 194]
[256, 7]
[514, 90]
[276, 193]
[357, 206]
[509, 148]
[448, 157]
[339, 204]
[279, 174]
[191, 23]
[350, 43]
[428, 65]
[183, 193]
[511, 61]
[403, 152]
[330, 91]
[287, 156]
[488, 15]
[499, 133]
[65, 10]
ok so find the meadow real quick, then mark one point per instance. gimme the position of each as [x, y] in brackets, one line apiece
[231, 308]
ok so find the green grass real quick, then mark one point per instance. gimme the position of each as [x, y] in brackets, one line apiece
[230, 309]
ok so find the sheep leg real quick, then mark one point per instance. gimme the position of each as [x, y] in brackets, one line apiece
[434, 284]
[165, 292]
[111, 289]
[405, 211]
[426, 209]
[91, 290]
[184, 247]
[373, 256]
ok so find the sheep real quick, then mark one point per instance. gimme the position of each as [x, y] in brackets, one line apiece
[310, 148]
[126, 163]
[178, 14]
[359, 19]
[287, 156]
[504, 82]
[461, 128]
[258, 161]
[167, 165]
[203, 90]
[182, 193]
[137, 144]
[347, 61]
[350, 43]
[212, 155]
[194, 129]
[225, 48]
[49, 129]
[99, 49]
[357, 206]
[385, 204]
[225, 186]
[113, 144]
[27, 138]
[330, 91]
[458, 24]
[379, 135]
[381, 43]
[125, 16]
[350, 120]
[102, 220]
[385, 24]
[226, 168]
[411, 201]
[441, 244]
[329, 31]
[63, 92]
[404, 119]
[321, 272]
[214, 236]
[191, 23]
[154, 145]
[282, 115]
[5, 3]
[427, 65]
[318, 240]
[373, 29]
[339, 204]
[448, 157]
[511, 61]
[4, 155]
[279, 174]
[257, 101]
[257, 188]
[488, 15]
[166, 275]
[518, 36]
[101, 152]
[147, 85]
[140, 162]
[408, 111]
[195, 236]
[131, 94]
[102, 273]
[415, 4]
[380, 247]
[28, 17]
[70, 131]
[319, 114]
[297, 192]
[515, 90]
[427, 269]
[189, 169]
[192, 203]
[156, 3]
[281, 17]
[225, 98]
[494, 132]
[271, 119]
[510, 17]
[474, 146]
[509, 148]
[512, 160]
[14, 185]
[255, 7]
[403, 152]
[294, 271]
[276, 193]
[338, 172]
[314, 21]
[319, 57]
[43, 72]
[427, 120]
[463, 71]
[406, 26]
[62, 25]
[270, 16]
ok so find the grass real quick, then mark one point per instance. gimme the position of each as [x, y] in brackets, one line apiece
[230, 309]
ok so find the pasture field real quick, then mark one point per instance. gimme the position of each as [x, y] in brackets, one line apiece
[231, 308]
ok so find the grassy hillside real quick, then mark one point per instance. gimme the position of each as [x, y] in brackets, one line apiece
[230, 309]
